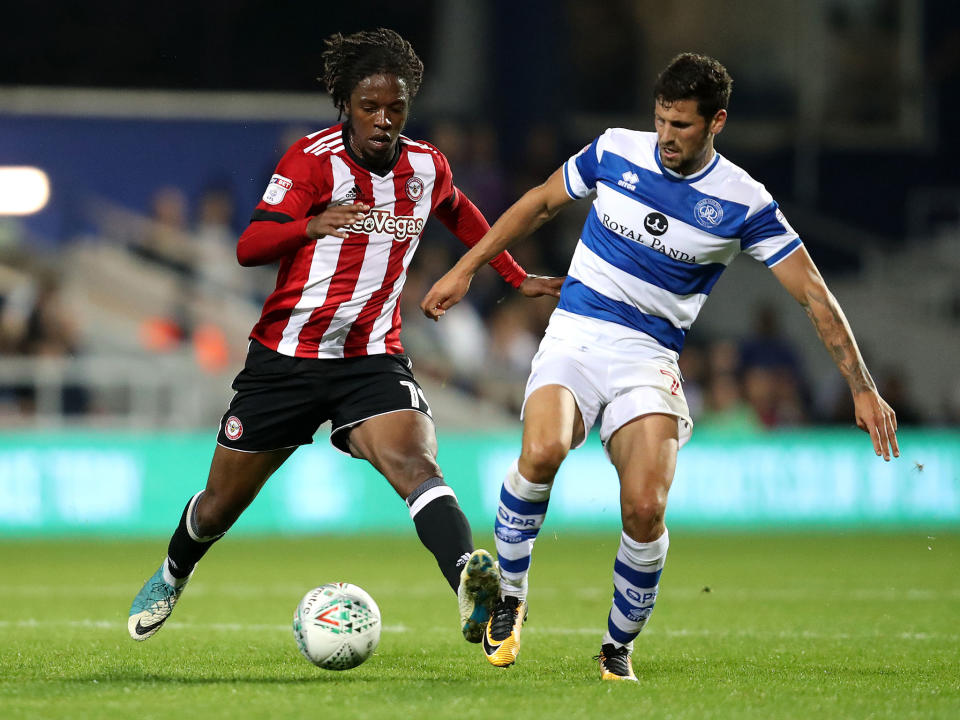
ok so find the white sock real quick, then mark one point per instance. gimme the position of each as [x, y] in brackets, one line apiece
[169, 578]
[636, 581]
[520, 513]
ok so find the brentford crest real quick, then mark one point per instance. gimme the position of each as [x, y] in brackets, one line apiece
[234, 428]
[414, 188]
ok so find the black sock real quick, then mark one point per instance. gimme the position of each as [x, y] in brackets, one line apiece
[186, 546]
[442, 527]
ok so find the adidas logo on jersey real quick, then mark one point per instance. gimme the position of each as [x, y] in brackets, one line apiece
[352, 196]
[629, 181]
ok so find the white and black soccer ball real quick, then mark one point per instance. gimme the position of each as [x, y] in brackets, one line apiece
[337, 626]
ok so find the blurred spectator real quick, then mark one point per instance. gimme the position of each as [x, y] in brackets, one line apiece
[863, 48]
[693, 369]
[771, 372]
[550, 248]
[725, 408]
[894, 386]
[474, 159]
[49, 329]
[215, 242]
[511, 347]
[36, 323]
[184, 328]
[451, 352]
[168, 240]
[773, 396]
[485, 175]
[723, 358]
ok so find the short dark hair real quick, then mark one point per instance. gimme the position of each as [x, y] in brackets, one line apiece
[695, 77]
[349, 59]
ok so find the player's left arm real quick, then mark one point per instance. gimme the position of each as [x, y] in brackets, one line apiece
[801, 278]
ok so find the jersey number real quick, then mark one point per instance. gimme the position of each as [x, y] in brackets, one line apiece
[417, 399]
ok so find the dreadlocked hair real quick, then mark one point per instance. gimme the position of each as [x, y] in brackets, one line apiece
[349, 59]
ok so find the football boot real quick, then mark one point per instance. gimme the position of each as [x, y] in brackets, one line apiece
[501, 641]
[153, 605]
[477, 594]
[615, 663]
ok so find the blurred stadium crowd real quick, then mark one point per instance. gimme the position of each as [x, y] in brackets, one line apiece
[750, 381]
[139, 314]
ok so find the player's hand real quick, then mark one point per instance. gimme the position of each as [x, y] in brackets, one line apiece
[444, 294]
[335, 219]
[876, 417]
[539, 285]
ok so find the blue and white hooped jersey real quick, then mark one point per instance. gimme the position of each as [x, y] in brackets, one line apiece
[655, 242]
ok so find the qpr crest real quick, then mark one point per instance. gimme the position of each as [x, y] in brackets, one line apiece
[414, 188]
[709, 213]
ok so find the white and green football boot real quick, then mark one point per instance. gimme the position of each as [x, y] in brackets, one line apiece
[153, 604]
[478, 592]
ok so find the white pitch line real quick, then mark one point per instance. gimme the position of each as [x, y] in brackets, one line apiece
[114, 625]
[202, 588]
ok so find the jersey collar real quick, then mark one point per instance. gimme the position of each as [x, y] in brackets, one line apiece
[382, 172]
[677, 177]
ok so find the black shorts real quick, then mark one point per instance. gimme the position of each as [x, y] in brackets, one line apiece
[282, 400]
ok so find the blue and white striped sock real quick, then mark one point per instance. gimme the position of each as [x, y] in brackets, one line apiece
[636, 578]
[520, 514]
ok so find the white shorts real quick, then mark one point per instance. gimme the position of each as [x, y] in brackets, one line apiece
[616, 386]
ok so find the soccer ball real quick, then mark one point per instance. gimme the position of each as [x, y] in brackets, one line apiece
[337, 626]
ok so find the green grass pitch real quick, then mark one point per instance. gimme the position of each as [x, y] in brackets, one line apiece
[830, 625]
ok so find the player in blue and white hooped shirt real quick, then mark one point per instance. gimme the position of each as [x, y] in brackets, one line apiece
[669, 214]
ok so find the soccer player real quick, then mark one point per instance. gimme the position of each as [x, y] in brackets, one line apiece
[669, 214]
[343, 215]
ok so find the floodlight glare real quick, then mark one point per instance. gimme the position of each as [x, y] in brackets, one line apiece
[24, 190]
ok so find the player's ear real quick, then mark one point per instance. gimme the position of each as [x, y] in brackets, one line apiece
[718, 122]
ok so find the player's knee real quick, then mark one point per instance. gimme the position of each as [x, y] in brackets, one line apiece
[542, 458]
[406, 471]
[643, 511]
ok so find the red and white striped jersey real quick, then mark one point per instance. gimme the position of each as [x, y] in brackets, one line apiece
[340, 297]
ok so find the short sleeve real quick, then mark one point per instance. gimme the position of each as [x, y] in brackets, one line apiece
[580, 172]
[767, 236]
[294, 188]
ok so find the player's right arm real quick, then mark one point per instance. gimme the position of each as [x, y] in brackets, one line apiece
[282, 222]
[266, 241]
[536, 207]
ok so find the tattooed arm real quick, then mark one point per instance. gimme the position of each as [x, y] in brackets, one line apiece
[798, 274]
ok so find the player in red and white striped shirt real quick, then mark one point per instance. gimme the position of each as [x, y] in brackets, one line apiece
[343, 215]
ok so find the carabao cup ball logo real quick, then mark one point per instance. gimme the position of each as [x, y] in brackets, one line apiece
[414, 188]
[709, 213]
